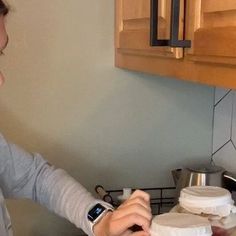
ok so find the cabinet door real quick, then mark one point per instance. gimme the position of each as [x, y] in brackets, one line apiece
[211, 25]
[133, 28]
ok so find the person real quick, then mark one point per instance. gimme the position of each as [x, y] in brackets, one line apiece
[25, 175]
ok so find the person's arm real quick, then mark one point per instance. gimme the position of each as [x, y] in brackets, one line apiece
[24, 175]
[134, 211]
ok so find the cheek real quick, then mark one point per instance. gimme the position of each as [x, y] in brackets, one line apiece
[1, 78]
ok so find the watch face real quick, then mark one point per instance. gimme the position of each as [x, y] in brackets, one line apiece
[95, 212]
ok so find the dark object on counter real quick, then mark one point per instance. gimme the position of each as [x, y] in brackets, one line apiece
[206, 175]
[105, 196]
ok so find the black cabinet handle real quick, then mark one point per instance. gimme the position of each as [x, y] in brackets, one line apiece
[174, 28]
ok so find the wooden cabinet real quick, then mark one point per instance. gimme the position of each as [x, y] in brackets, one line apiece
[134, 28]
[209, 24]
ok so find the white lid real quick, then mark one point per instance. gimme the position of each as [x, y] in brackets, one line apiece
[206, 199]
[179, 224]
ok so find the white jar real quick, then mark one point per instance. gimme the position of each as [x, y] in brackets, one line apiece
[207, 200]
[178, 224]
[214, 203]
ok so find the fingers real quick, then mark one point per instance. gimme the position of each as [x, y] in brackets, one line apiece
[138, 193]
[136, 208]
[134, 211]
[138, 197]
[139, 203]
[137, 200]
[120, 225]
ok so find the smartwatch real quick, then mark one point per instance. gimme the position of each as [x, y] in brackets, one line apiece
[96, 213]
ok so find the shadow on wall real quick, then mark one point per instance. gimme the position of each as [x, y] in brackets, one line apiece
[74, 162]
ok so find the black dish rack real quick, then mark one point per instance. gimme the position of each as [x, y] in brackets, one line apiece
[162, 198]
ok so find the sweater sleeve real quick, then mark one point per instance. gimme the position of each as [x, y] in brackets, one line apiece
[24, 175]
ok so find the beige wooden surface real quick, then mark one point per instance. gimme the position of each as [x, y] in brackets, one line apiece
[210, 25]
[133, 28]
[206, 73]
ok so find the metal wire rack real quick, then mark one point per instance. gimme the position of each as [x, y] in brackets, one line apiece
[162, 198]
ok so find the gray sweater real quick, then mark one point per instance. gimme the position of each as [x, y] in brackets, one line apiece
[24, 175]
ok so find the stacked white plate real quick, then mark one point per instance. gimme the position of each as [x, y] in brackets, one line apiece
[179, 224]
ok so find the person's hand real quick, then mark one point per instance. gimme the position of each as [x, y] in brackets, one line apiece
[134, 211]
[217, 231]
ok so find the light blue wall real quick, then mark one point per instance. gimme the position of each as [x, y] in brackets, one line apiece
[65, 99]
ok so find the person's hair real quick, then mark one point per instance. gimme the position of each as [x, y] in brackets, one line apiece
[3, 8]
